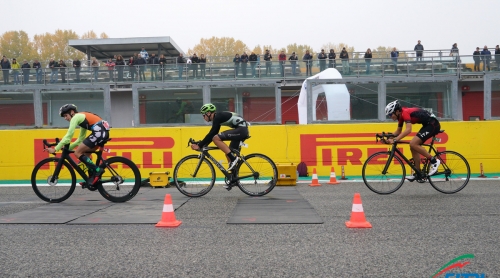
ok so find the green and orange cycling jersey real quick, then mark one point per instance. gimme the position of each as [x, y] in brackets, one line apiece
[85, 120]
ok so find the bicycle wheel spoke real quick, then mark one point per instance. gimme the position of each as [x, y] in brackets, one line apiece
[121, 182]
[53, 191]
[190, 184]
[258, 175]
[453, 173]
[379, 182]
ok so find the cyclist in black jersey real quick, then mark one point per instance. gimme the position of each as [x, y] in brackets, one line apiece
[235, 135]
[430, 127]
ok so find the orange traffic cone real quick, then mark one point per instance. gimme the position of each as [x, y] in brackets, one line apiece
[315, 181]
[168, 215]
[358, 219]
[333, 177]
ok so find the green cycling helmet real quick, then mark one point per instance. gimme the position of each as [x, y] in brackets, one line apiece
[207, 108]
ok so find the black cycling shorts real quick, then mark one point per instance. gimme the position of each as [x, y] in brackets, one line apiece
[428, 130]
[100, 133]
[235, 135]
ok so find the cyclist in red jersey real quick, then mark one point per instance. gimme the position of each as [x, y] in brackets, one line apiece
[86, 121]
[430, 127]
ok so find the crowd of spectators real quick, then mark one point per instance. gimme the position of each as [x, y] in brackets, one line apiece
[141, 62]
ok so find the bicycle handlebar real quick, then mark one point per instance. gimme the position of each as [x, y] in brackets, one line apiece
[45, 143]
[383, 137]
[192, 141]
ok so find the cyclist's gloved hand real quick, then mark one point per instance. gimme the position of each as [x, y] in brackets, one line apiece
[195, 147]
[49, 150]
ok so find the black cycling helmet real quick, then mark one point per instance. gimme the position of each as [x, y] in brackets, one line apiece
[66, 108]
[207, 108]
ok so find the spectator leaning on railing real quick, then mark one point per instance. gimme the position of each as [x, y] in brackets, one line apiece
[26, 71]
[38, 71]
[77, 66]
[486, 57]
[331, 59]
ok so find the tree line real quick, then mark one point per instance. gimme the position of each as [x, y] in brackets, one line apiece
[17, 44]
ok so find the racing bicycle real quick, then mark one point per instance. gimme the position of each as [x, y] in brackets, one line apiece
[53, 179]
[255, 174]
[384, 172]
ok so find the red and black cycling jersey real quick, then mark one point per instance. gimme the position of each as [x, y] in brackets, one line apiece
[414, 115]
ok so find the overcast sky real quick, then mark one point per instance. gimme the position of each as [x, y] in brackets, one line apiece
[359, 23]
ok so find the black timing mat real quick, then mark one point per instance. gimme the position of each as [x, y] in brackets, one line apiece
[145, 208]
[284, 205]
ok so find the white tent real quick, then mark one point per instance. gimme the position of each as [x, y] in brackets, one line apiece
[337, 98]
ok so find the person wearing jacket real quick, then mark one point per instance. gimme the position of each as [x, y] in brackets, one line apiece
[244, 63]
[131, 67]
[253, 63]
[308, 60]
[368, 60]
[486, 57]
[331, 59]
[180, 65]
[194, 65]
[53, 70]
[476, 55]
[268, 57]
[26, 68]
[111, 68]
[141, 64]
[77, 66]
[344, 56]
[62, 70]
[38, 71]
[153, 61]
[15, 71]
[282, 60]
[293, 62]
[322, 60]
[120, 65]
[5, 64]
[497, 56]
[236, 61]
[394, 58]
[419, 48]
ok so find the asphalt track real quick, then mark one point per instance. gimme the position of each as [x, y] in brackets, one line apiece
[415, 232]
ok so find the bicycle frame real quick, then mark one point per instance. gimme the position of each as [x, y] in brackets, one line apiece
[66, 157]
[401, 155]
[205, 153]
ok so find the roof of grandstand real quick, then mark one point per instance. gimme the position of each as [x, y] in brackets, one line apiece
[106, 48]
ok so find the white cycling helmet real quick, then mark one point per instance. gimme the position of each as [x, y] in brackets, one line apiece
[391, 107]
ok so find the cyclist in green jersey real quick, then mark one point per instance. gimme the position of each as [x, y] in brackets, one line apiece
[86, 121]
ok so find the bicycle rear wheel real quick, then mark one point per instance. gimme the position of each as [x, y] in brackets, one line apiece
[120, 181]
[257, 175]
[194, 177]
[381, 183]
[453, 173]
[62, 187]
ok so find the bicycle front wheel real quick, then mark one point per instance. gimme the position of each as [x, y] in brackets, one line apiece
[194, 177]
[257, 175]
[379, 182]
[453, 173]
[63, 185]
[120, 181]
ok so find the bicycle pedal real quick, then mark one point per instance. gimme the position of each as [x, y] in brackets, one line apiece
[228, 187]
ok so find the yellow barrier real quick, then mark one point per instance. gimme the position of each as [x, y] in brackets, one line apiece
[320, 146]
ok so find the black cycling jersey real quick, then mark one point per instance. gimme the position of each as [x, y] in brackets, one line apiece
[230, 119]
